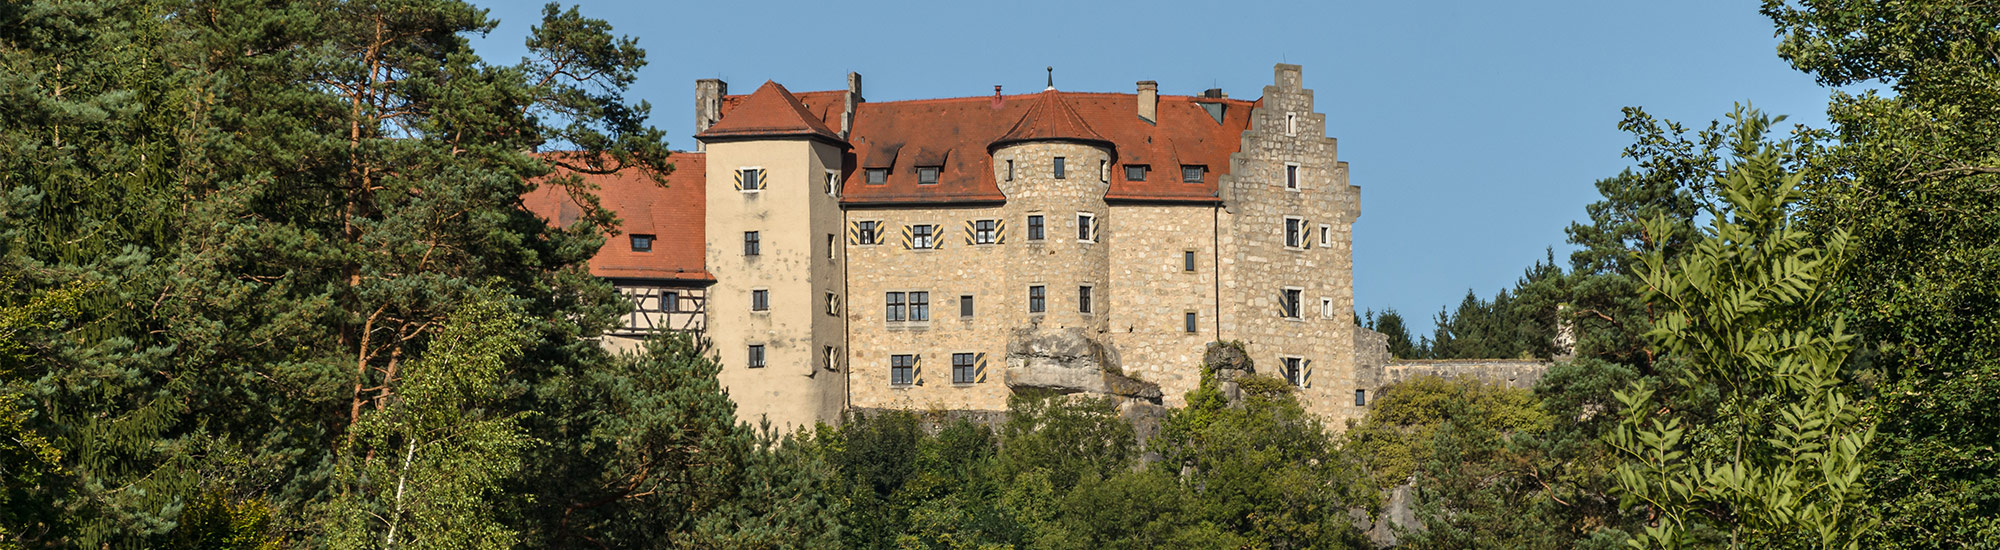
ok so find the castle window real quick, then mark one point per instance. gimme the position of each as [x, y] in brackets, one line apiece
[832, 304]
[642, 243]
[833, 183]
[753, 179]
[1288, 303]
[965, 306]
[760, 300]
[1083, 299]
[1326, 308]
[1059, 168]
[756, 356]
[1104, 170]
[1360, 398]
[1010, 169]
[1037, 299]
[1035, 227]
[868, 232]
[1187, 261]
[927, 175]
[961, 368]
[902, 370]
[1187, 320]
[1135, 172]
[830, 358]
[1193, 173]
[832, 244]
[896, 307]
[1086, 227]
[920, 306]
[1291, 124]
[1295, 371]
[1292, 176]
[752, 243]
[923, 236]
[1295, 229]
[670, 302]
[1325, 235]
[984, 230]
[878, 176]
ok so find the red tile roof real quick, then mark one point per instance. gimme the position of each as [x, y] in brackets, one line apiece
[1050, 119]
[955, 133]
[770, 111]
[673, 215]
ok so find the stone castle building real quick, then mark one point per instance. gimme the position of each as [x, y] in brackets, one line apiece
[942, 253]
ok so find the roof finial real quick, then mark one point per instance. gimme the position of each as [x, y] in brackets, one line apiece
[1052, 79]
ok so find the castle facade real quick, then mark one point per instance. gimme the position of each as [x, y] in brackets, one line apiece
[943, 253]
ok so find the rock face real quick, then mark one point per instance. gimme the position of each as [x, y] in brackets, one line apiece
[1066, 361]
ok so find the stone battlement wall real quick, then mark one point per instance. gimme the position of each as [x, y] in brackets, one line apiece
[1514, 373]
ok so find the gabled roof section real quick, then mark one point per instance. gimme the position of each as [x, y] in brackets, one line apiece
[1050, 118]
[672, 214]
[771, 111]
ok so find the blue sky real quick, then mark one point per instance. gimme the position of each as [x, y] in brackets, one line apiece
[1475, 129]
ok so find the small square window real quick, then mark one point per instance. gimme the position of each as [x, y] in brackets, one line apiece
[1295, 233]
[902, 370]
[756, 356]
[878, 176]
[1292, 177]
[1325, 235]
[1288, 303]
[897, 308]
[1010, 169]
[753, 178]
[1135, 172]
[962, 369]
[1104, 170]
[760, 300]
[1360, 398]
[1193, 174]
[1059, 168]
[923, 236]
[1187, 320]
[1083, 299]
[920, 306]
[1291, 124]
[868, 232]
[983, 231]
[927, 175]
[642, 243]
[1086, 227]
[1037, 299]
[670, 302]
[1187, 261]
[752, 243]
[1295, 371]
[833, 183]
[1326, 308]
[965, 306]
[1035, 227]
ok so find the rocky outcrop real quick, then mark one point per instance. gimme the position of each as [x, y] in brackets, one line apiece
[1066, 361]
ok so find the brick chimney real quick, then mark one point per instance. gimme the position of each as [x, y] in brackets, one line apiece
[1149, 101]
[708, 94]
[998, 101]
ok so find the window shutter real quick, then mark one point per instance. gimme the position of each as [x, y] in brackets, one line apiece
[979, 368]
[1305, 234]
[917, 369]
[908, 240]
[1306, 378]
[969, 231]
[1000, 231]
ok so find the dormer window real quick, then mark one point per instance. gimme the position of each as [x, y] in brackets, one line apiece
[878, 176]
[1193, 173]
[927, 175]
[1135, 172]
[642, 243]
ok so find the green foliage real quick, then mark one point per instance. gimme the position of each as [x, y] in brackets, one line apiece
[1749, 307]
[213, 522]
[1912, 174]
[1396, 436]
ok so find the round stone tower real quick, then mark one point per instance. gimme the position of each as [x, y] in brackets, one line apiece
[1054, 169]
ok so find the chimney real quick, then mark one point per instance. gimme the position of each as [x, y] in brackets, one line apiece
[1214, 93]
[853, 100]
[1149, 101]
[708, 94]
[998, 101]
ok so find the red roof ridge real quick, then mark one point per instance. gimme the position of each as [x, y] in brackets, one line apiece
[770, 111]
[1050, 118]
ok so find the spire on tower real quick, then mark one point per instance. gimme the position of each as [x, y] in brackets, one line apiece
[1052, 78]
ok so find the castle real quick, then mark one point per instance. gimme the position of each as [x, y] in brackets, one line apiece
[942, 253]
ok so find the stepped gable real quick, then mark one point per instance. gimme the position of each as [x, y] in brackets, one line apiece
[955, 134]
[673, 215]
[771, 111]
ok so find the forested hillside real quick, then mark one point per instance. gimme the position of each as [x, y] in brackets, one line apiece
[269, 284]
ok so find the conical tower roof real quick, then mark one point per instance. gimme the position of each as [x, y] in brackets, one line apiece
[770, 111]
[1050, 118]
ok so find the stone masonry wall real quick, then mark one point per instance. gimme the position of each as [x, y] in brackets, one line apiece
[1147, 316]
[1513, 373]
